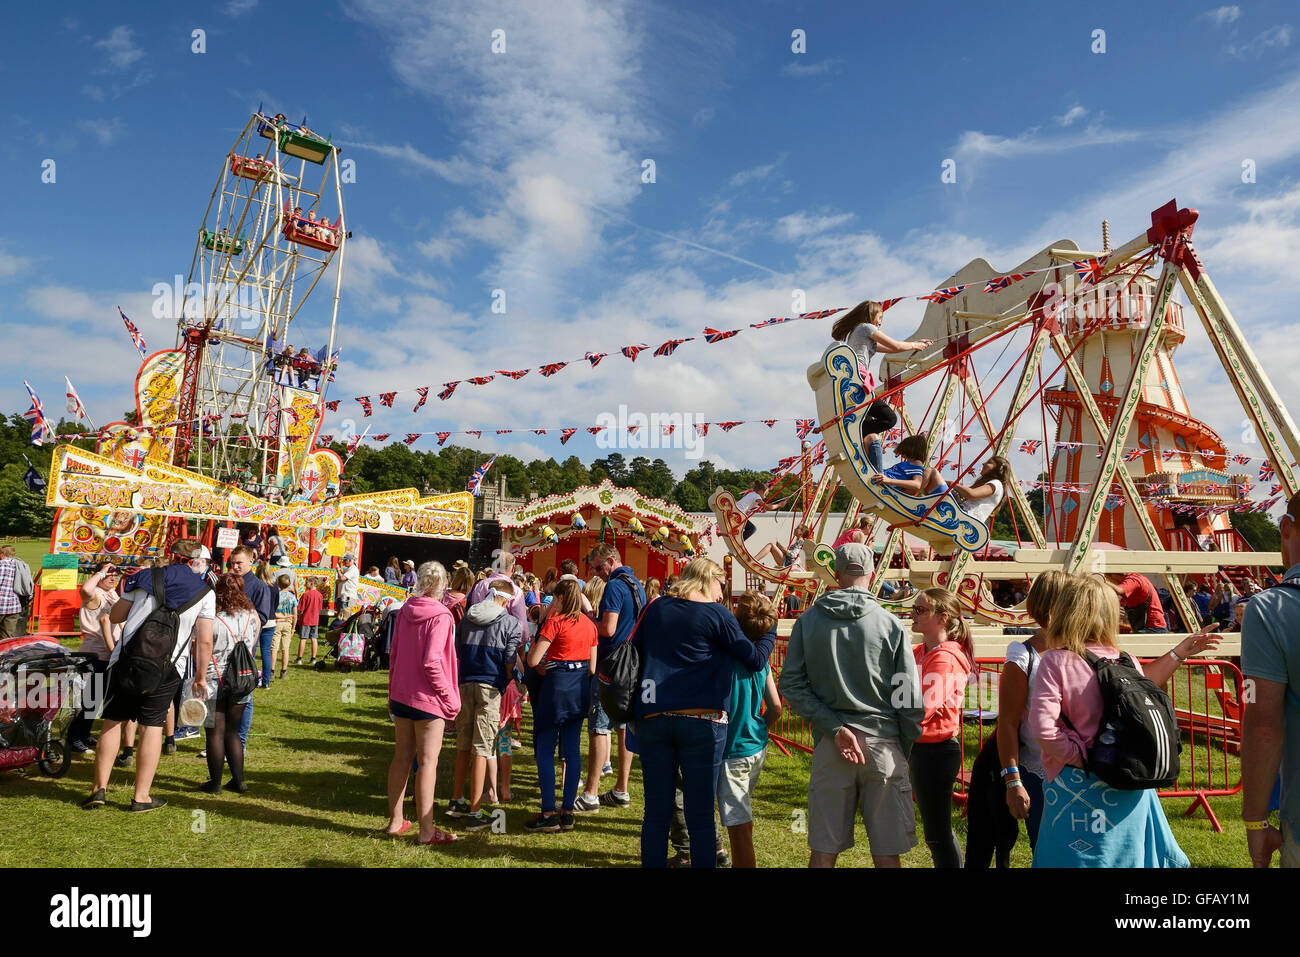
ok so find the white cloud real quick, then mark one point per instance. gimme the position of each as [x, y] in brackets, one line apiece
[1273, 37]
[456, 170]
[1221, 15]
[973, 145]
[105, 131]
[799, 69]
[237, 8]
[63, 303]
[120, 47]
[1075, 112]
[12, 265]
[703, 117]
[753, 174]
[799, 226]
[93, 92]
[440, 248]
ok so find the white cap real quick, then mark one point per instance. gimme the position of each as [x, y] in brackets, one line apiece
[204, 553]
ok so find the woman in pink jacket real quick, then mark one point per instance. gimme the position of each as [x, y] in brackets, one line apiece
[423, 697]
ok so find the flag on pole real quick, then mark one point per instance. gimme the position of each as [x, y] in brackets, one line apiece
[75, 406]
[136, 338]
[33, 479]
[41, 431]
[476, 480]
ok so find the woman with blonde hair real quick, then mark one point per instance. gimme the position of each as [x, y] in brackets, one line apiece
[1124, 828]
[424, 695]
[653, 587]
[462, 583]
[689, 644]
[944, 659]
[593, 591]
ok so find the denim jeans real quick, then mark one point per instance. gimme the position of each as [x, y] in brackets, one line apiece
[569, 735]
[264, 646]
[1034, 785]
[695, 746]
[246, 722]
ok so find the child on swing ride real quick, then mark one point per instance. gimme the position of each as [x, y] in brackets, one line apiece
[911, 475]
[789, 557]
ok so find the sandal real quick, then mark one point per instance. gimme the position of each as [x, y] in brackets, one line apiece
[439, 837]
[406, 826]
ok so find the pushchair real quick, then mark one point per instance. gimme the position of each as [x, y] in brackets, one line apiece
[352, 642]
[41, 687]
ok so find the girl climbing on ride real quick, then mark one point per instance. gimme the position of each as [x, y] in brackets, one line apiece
[911, 475]
[982, 498]
[859, 329]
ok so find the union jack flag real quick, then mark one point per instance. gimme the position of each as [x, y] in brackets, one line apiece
[1090, 270]
[714, 335]
[411, 438]
[595, 429]
[669, 347]
[963, 436]
[894, 433]
[442, 436]
[324, 439]
[135, 458]
[480, 379]
[775, 321]
[136, 338]
[1168, 454]
[668, 429]
[386, 399]
[943, 295]
[477, 433]
[365, 405]
[702, 429]
[566, 434]
[1275, 490]
[1241, 459]
[783, 464]
[887, 303]
[423, 393]
[1266, 472]
[517, 374]
[768, 422]
[1068, 446]
[1030, 446]
[633, 351]
[1002, 282]
[819, 454]
[1132, 455]
[595, 357]
[476, 480]
[504, 431]
[633, 429]
[539, 431]
[41, 431]
[821, 313]
[727, 426]
[802, 427]
[448, 389]
[383, 436]
[356, 441]
[332, 405]
[551, 368]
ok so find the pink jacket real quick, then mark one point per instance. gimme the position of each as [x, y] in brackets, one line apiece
[422, 662]
[1065, 686]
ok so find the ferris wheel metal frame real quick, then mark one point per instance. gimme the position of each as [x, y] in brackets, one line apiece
[254, 281]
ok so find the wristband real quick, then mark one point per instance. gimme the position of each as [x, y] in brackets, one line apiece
[1174, 654]
[1011, 769]
[1017, 783]
[1258, 825]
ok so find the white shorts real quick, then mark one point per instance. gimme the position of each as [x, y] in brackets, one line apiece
[736, 780]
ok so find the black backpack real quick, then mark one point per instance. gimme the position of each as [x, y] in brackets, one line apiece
[240, 677]
[142, 667]
[1137, 741]
[618, 675]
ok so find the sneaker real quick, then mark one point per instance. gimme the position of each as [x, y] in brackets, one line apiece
[613, 798]
[123, 760]
[282, 674]
[95, 800]
[586, 805]
[457, 808]
[477, 821]
[151, 805]
[566, 820]
[724, 859]
[312, 662]
[607, 769]
[296, 661]
[185, 732]
[544, 824]
[169, 746]
[81, 746]
[203, 753]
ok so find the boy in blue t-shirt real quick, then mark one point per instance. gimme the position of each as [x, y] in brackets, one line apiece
[755, 707]
[911, 475]
[286, 613]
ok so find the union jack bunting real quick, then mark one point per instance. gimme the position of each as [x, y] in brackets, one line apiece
[566, 434]
[476, 480]
[477, 433]
[324, 439]
[356, 441]
[702, 429]
[41, 431]
[943, 295]
[887, 303]
[411, 438]
[595, 357]
[894, 433]
[1068, 446]
[1241, 459]
[819, 454]
[1030, 446]
[386, 399]
[633, 351]
[1275, 490]
[802, 427]
[423, 393]
[517, 374]
[775, 321]
[1167, 454]
[963, 436]
[1002, 282]
[1266, 472]
[595, 429]
[1132, 455]
[383, 436]
[714, 335]
[504, 431]
[332, 405]
[539, 431]
[821, 313]
[365, 405]
[667, 429]
[727, 426]
[481, 379]
[784, 464]
[669, 347]
[448, 389]
[1090, 270]
[136, 338]
[768, 422]
[551, 368]
[442, 436]
[633, 429]
[1100, 451]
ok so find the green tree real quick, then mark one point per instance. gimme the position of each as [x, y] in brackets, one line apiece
[1258, 530]
[688, 496]
[22, 512]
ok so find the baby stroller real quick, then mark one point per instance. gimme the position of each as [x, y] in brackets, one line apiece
[41, 685]
[352, 642]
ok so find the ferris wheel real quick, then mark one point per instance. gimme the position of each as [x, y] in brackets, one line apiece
[251, 397]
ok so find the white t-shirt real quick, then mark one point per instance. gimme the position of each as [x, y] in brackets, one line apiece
[1031, 756]
[749, 502]
[862, 340]
[982, 508]
[142, 604]
[348, 585]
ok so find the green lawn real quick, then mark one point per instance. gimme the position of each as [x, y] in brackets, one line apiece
[316, 773]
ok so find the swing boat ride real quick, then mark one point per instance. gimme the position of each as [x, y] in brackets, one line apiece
[1112, 333]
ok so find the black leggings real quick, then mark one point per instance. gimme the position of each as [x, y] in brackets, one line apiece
[224, 745]
[879, 418]
[933, 770]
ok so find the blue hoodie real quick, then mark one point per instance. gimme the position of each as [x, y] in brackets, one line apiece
[487, 641]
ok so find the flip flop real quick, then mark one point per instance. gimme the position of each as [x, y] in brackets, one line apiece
[406, 826]
[439, 837]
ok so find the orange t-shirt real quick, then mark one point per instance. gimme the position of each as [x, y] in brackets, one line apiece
[943, 674]
[570, 640]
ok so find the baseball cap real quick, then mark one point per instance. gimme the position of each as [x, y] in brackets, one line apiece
[408, 562]
[284, 561]
[853, 558]
[204, 553]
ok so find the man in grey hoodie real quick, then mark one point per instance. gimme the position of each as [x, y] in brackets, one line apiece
[487, 648]
[849, 671]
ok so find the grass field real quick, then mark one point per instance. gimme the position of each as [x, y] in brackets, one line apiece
[316, 772]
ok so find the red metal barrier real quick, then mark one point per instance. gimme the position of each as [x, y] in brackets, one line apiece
[1206, 694]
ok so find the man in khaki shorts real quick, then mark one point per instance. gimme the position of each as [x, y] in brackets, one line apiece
[849, 671]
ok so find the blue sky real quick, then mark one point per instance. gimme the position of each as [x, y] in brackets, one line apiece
[522, 171]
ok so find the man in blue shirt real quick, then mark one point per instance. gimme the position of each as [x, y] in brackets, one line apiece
[620, 607]
[1270, 722]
